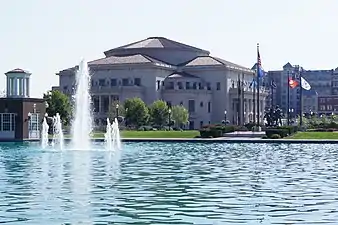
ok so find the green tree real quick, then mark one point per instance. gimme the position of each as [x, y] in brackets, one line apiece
[112, 110]
[180, 115]
[58, 103]
[159, 113]
[136, 112]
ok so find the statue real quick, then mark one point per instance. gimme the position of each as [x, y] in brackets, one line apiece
[273, 116]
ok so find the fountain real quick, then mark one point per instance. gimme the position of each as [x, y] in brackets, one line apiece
[108, 135]
[44, 134]
[112, 136]
[82, 123]
[58, 139]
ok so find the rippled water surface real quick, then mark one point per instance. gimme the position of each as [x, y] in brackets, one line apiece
[167, 183]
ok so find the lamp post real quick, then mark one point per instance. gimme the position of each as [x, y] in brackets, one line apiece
[290, 117]
[117, 111]
[169, 115]
[126, 118]
[225, 117]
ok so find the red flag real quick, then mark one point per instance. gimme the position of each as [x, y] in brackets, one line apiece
[293, 83]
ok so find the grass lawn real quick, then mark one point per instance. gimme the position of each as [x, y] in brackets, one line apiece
[314, 135]
[154, 134]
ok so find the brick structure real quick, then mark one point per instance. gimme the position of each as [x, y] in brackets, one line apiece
[20, 115]
[328, 104]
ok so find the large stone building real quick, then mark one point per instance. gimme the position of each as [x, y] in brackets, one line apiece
[159, 68]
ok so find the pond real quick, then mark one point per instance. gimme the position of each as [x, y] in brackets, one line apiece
[169, 183]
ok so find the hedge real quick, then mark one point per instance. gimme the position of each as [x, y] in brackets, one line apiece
[283, 131]
[217, 130]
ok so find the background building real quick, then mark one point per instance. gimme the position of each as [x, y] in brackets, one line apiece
[20, 115]
[321, 82]
[159, 68]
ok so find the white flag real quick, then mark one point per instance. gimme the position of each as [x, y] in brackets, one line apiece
[305, 84]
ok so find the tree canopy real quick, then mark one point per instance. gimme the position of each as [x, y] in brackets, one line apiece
[58, 103]
[180, 115]
[159, 113]
[136, 112]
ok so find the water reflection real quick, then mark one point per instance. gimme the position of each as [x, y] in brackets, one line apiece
[158, 183]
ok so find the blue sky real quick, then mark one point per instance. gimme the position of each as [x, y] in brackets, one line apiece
[47, 36]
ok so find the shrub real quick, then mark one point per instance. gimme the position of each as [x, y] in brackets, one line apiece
[291, 129]
[207, 133]
[275, 136]
[241, 128]
[216, 130]
[282, 132]
[145, 128]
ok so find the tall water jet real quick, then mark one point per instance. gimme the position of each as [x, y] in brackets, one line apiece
[58, 139]
[82, 118]
[116, 135]
[44, 134]
[108, 135]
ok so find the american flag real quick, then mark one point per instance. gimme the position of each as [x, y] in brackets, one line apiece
[259, 62]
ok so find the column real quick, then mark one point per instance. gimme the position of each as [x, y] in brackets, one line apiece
[24, 87]
[8, 87]
[20, 86]
[27, 87]
[14, 86]
[100, 103]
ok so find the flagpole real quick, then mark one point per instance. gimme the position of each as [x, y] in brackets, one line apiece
[254, 101]
[242, 99]
[239, 100]
[288, 100]
[257, 74]
[272, 87]
[301, 98]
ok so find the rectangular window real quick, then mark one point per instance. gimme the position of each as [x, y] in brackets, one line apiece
[115, 98]
[125, 82]
[170, 85]
[180, 85]
[200, 86]
[137, 81]
[105, 100]
[191, 106]
[102, 82]
[158, 85]
[209, 107]
[208, 86]
[113, 82]
[201, 124]
[218, 86]
[6, 122]
[96, 103]
[187, 85]
[194, 86]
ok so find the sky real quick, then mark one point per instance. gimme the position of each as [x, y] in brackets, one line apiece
[45, 37]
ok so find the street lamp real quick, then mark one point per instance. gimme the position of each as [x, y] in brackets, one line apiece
[117, 111]
[169, 111]
[290, 115]
[225, 117]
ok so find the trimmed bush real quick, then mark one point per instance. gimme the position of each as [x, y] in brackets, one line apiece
[216, 130]
[275, 136]
[280, 131]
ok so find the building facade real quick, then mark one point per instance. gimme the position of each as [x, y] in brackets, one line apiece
[20, 115]
[321, 85]
[159, 68]
[328, 104]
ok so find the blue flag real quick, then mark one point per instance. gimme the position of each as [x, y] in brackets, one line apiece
[260, 70]
[253, 83]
